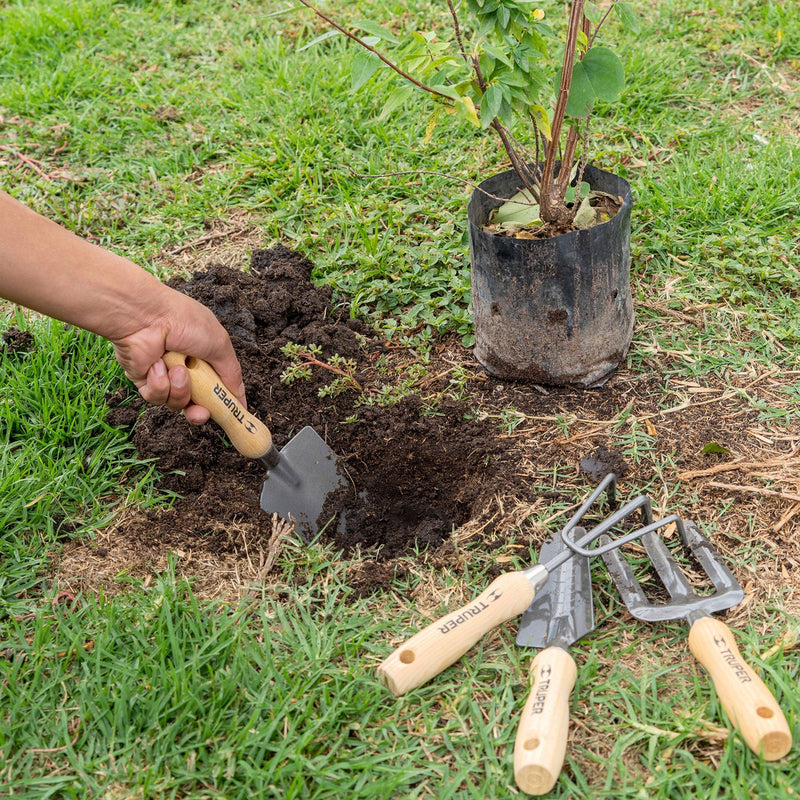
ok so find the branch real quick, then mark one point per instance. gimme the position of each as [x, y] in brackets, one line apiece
[375, 52]
[457, 30]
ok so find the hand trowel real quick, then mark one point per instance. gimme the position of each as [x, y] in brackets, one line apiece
[560, 615]
[300, 477]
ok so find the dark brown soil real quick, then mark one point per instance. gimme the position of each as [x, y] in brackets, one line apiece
[456, 455]
[415, 472]
[16, 341]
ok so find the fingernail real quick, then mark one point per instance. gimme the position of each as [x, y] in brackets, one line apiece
[159, 369]
[179, 379]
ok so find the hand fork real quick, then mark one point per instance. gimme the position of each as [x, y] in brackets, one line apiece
[747, 701]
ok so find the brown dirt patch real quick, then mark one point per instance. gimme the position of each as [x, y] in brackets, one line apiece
[459, 457]
[14, 340]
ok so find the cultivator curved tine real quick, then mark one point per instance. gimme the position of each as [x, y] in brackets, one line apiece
[578, 545]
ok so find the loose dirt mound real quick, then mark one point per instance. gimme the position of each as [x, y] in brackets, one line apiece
[417, 470]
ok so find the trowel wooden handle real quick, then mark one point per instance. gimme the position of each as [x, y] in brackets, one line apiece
[442, 643]
[542, 734]
[247, 434]
[747, 701]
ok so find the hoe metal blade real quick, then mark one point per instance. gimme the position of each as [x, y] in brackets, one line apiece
[684, 600]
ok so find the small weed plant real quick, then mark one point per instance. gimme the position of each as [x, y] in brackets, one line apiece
[305, 357]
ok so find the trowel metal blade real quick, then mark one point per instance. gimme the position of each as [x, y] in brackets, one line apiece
[299, 485]
[562, 612]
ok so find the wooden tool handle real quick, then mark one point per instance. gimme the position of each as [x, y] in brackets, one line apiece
[247, 434]
[442, 643]
[747, 701]
[542, 734]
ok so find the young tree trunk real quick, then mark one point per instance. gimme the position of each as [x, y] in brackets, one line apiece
[552, 207]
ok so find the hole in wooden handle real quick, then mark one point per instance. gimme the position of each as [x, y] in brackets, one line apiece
[532, 743]
[407, 657]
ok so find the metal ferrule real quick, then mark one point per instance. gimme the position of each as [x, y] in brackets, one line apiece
[271, 458]
[537, 575]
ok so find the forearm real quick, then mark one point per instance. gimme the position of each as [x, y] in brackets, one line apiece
[47, 268]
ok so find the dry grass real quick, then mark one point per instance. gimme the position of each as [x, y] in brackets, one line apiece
[228, 242]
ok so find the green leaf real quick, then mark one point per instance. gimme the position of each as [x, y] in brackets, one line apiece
[714, 447]
[627, 16]
[498, 55]
[597, 76]
[319, 39]
[503, 16]
[364, 67]
[395, 100]
[593, 13]
[520, 210]
[376, 30]
[490, 104]
[486, 63]
[569, 197]
[582, 96]
[606, 73]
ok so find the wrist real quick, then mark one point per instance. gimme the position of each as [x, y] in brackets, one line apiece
[135, 299]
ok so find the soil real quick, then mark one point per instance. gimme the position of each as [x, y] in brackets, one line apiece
[16, 341]
[415, 473]
[447, 456]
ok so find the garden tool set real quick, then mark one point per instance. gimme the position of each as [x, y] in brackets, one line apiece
[556, 597]
[300, 477]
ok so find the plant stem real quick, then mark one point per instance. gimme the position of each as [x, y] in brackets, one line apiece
[311, 361]
[552, 197]
[457, 30]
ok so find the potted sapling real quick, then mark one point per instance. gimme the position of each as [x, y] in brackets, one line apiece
[550, 236]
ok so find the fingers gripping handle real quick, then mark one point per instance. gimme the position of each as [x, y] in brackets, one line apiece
[541, 742]
[747, 701]
[247, 434]
[442, 643]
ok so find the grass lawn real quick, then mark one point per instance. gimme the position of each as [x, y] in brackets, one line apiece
[184, 133]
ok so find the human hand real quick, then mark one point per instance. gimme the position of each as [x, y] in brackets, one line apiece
[187, 326]
[47, 268]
